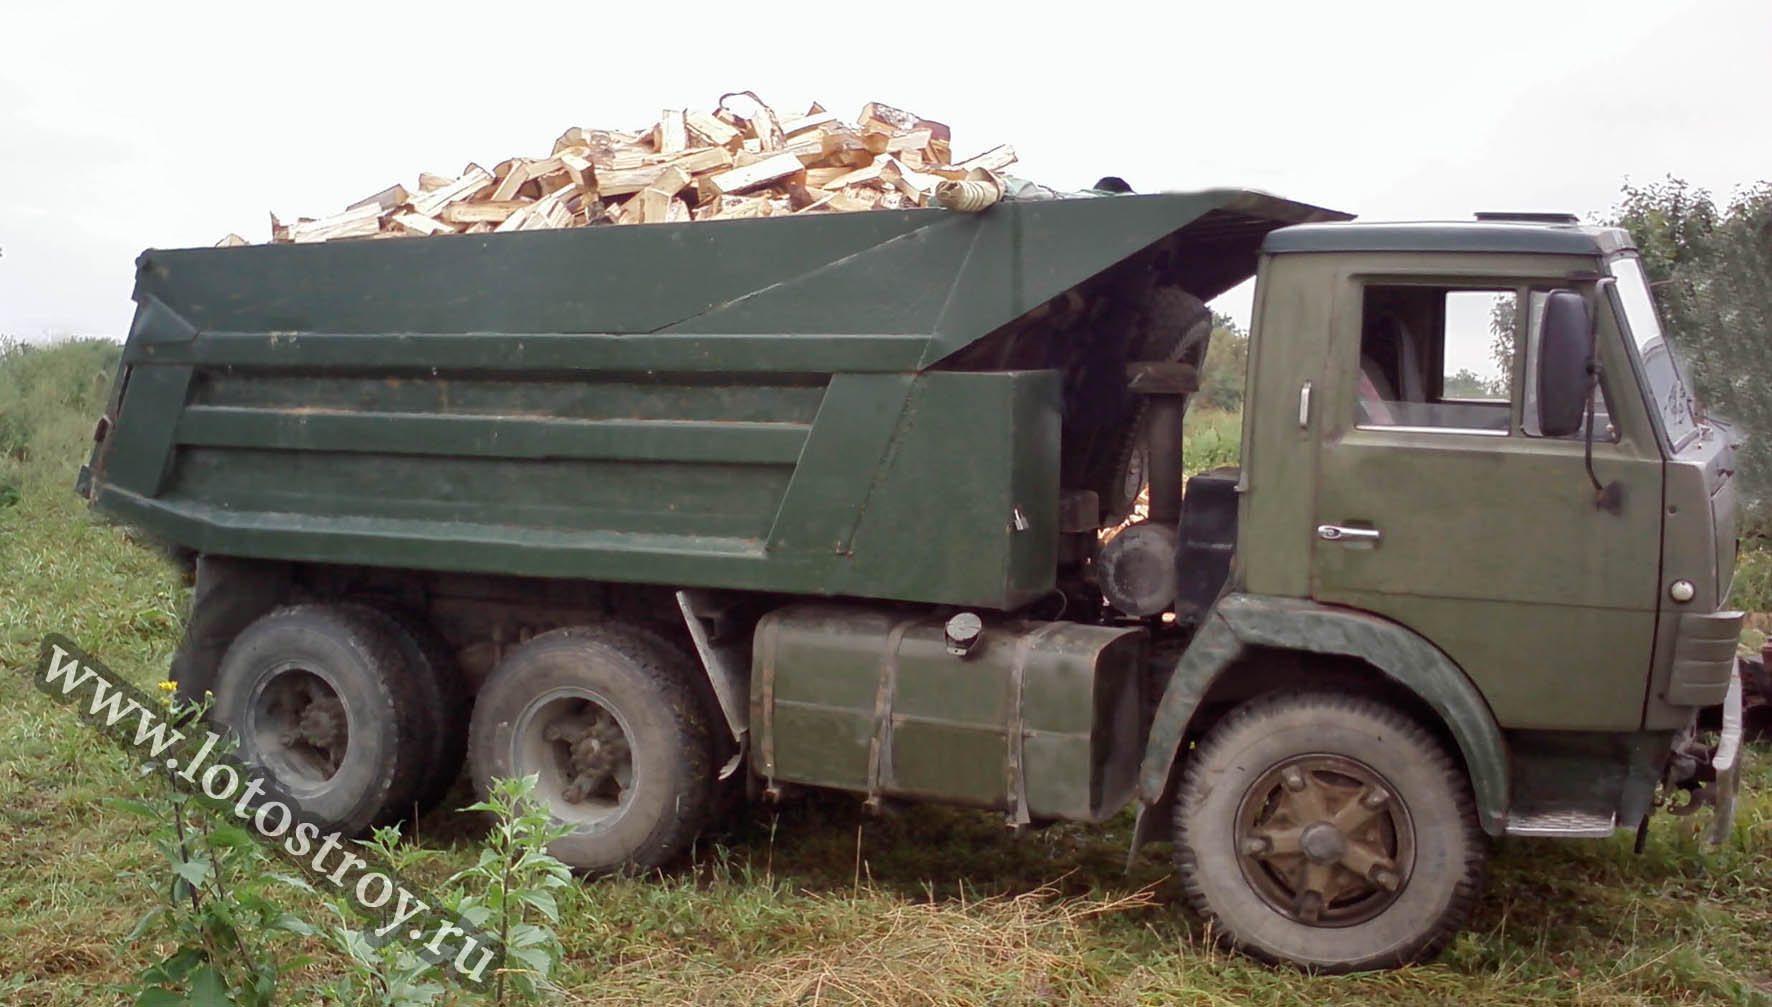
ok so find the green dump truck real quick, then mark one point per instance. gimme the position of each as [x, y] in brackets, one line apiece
[892, 503]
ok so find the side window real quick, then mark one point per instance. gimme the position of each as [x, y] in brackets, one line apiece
[1438, 358]
[1529, 421]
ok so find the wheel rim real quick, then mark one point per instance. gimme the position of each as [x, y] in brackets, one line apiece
[300, 729]
[581, 748]
[1324, 840]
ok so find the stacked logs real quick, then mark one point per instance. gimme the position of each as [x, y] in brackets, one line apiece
[740, 160]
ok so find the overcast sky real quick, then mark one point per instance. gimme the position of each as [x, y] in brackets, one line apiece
[128, 125]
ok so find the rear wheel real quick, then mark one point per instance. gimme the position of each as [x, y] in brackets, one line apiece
[1328, 831]
[321, 700]
[608, 721]
[442, 699]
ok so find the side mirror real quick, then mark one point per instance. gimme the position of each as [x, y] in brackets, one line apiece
[1565, 349]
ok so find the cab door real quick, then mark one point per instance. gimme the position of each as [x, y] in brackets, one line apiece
[1438, 505]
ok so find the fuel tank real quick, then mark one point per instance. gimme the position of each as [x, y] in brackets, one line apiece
[1042, 720]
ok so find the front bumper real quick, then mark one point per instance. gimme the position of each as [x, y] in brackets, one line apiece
[1727, 765]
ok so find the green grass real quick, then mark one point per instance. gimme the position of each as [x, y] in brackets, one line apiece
[1211, 438]
[814, 902]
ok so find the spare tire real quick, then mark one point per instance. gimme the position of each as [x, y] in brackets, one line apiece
[1112, 458]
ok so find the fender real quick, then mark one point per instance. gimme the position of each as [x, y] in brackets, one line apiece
[1239, 621]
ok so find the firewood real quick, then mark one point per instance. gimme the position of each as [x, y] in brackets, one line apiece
[470, 184]
[751, 176]
[622, 181]
[704, 159]
[671, 135]
[763, 125]
[419, 224]
[356, 223]
[741, 160]
[710, 129]
[793, 127]
[580, 170]
[995, 159]
[495, 212]
[385, 200]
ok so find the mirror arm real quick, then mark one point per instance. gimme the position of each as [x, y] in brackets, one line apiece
[1608, 497]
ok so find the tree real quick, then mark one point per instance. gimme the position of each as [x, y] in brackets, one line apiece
[1227, 361]
[1711, 271]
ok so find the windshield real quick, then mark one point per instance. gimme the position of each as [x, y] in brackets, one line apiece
[1662, 370]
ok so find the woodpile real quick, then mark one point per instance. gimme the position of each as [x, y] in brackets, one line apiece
[741, 160]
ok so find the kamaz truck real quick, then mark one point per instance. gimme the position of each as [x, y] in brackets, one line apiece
[893, 503]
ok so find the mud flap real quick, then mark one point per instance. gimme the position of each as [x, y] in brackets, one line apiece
[1727, 764]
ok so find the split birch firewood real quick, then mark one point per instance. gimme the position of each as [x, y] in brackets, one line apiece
[737, 161]
[490, 211]
[580, 170]
[671, 135]
[385, 200]
[866, 174]
[470, 184]
[360, 222]
[764, 127]
[710, 129]
[793, 127]
[995, 159]
[753, 175]
[414, 223]
[912, 183]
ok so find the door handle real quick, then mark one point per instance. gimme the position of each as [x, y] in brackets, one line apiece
[1342, 533]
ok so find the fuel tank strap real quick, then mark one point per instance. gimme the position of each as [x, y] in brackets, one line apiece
[1015, 763]
[766, 686]
[880, 747]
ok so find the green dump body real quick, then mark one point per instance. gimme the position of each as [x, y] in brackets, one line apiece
[782, 405]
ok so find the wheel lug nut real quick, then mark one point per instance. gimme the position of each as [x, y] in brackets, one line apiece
[1386, 878]
[1255, 846]
[1375, 798]
[1294, 780]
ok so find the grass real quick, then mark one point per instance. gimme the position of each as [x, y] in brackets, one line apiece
[814, 902]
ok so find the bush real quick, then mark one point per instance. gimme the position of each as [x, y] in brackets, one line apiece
[50, 395]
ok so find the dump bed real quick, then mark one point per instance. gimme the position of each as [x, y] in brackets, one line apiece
[854, 404]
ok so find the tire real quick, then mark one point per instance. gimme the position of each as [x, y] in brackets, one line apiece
[321, 699]
[1116, 465]
[609, 721]
[442, 699]
[1280, 768]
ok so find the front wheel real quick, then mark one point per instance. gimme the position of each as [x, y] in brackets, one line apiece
[607, 720]
[1328, 831]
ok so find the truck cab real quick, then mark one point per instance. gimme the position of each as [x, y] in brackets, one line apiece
[1541, 555]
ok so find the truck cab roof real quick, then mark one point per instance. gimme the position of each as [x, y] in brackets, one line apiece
[1448, 236]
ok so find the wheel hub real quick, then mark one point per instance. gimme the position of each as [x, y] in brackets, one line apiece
[597, 753]
[1322, 841]
[582, 749]
[322, 723]
[303, 727]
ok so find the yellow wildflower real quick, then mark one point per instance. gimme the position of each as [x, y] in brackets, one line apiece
[168, 686]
